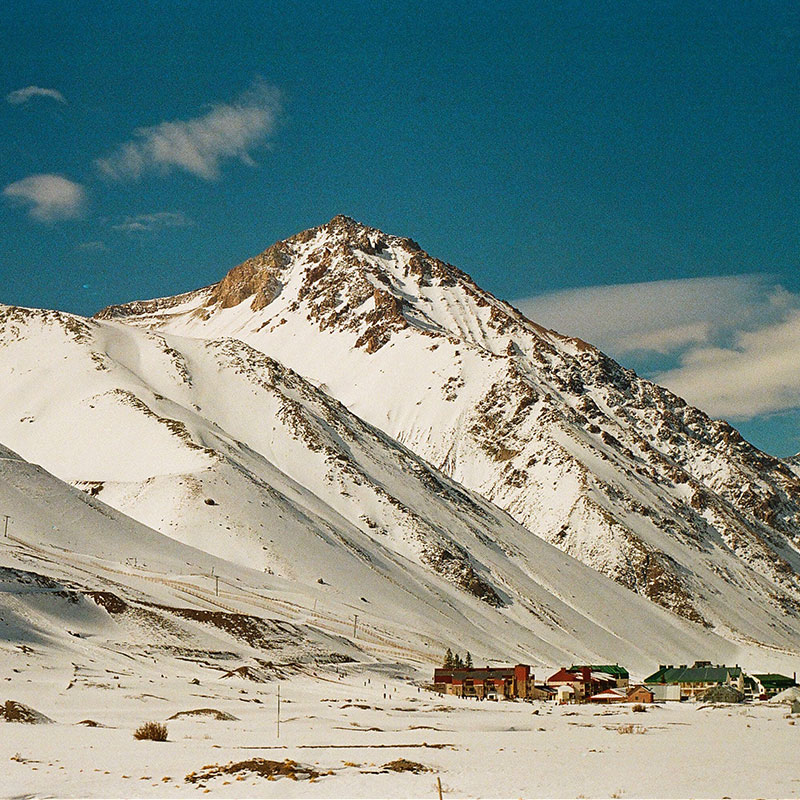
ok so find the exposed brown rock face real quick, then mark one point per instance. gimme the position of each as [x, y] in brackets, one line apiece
[258, 277]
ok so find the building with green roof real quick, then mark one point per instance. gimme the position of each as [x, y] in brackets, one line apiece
[610, 669]
[695, 680]
[770, 683]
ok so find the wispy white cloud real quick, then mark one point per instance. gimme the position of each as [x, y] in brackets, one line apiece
[198, 145]
[48, 197]
[757, 374]
[95, 246]
[660, 316]
[20, 96]
[735, 339]
[143, 223]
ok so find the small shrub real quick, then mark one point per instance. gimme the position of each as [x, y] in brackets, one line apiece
[638, 708]
[631, 728]
[155, 731]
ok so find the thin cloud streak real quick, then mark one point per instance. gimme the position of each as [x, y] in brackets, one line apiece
[48, 197]
[660, 316]
[145, 223]
[21, 96]
[735, 339]
[94, 246]
[199, 145]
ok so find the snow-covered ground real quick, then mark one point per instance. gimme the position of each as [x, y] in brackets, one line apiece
[347, 728]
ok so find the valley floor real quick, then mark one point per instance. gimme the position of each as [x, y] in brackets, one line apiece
[348, 725]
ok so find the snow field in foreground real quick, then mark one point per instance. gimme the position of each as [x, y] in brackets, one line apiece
[350, 729]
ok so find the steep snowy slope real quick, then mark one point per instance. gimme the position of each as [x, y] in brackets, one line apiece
[81, 583]
[612, 469]
[222, 448]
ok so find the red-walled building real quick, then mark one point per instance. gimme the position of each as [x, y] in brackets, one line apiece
[492, 683]
[584, 682]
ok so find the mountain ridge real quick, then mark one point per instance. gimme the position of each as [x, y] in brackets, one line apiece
[343, 291]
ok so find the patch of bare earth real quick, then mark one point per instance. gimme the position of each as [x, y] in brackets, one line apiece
[261, 767]
[404, 765]
[214, 713]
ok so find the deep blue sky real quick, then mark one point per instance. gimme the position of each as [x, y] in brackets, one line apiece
[538, 146]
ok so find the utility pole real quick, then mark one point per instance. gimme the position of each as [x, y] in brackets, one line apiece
[278, 721]
[216, 585]
[6, 517]
[355, 623]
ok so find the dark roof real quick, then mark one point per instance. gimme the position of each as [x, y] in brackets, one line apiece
[683, 674]
[771, 680]
[566, 675]
[481, 674]
[610, 669]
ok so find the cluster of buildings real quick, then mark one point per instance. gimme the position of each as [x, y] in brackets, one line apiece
[606, 683]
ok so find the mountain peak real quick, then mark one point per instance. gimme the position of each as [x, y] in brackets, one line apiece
[606, 466]
[344, 275]
[343, 222]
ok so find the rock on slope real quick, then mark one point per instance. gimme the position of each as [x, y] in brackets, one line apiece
[612, 469]
[220, 447]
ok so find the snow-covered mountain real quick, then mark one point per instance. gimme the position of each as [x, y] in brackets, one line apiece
[612, 469]
[345, 418]
[304, 510]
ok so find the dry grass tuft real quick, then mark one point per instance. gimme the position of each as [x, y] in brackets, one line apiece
[404, 765]
[154, 731]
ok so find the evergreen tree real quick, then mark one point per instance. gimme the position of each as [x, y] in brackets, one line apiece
[468, 660]
[457, 662]
[449, 663]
